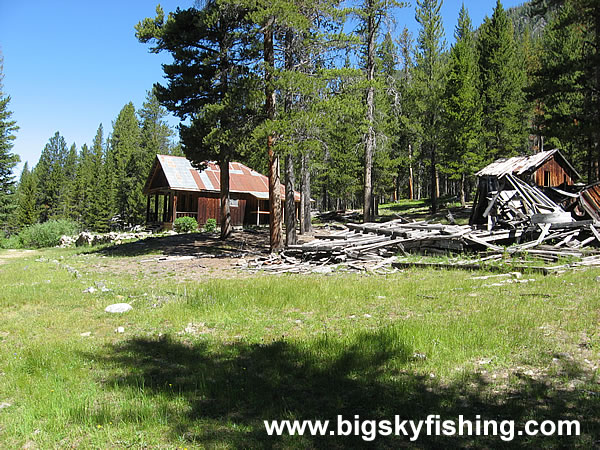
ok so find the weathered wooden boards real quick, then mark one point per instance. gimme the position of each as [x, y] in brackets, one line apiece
[372, 247]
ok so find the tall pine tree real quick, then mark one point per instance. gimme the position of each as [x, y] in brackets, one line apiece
[462, 105]
[27, 212]
[51, 177]
[8, 160]
[209, 82]
[123, 160]
[429, 72]
[503, 79]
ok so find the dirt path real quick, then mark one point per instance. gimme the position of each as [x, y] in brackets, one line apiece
[14, 254]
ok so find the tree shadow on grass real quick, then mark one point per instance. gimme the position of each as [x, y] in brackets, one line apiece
[229, 390]
[191, 244]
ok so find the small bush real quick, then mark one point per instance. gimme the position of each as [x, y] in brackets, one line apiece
[210, 226]
[185, 224]
[13, 241]
[47, 234]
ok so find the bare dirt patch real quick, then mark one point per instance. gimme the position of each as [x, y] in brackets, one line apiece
[186, 257]
[14, 254]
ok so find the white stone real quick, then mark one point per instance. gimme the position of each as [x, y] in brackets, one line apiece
[90, 290]
[120, 330]
[86, 334]
[66, 241]
[118, 308]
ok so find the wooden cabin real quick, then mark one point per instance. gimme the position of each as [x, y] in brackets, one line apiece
[176, 189]
[544, 169]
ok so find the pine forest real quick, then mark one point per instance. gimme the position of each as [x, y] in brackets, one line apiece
[334, 100]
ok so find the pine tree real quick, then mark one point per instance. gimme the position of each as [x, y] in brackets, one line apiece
[387, 158]
[372, 15]
[209, 82]
[503, 79]
[99, 192]
[429, 72]
[555, 85]
[27, 212]
[68, 193]
[409, 128]
[462, 105]
[83, 181]
[155, 133]
[568, 82]
[8, 160]
[123, 159]
[51, 178]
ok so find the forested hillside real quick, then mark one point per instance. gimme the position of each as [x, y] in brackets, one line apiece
[350, 110]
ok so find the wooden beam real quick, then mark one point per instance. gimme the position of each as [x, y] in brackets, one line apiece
[148, 209]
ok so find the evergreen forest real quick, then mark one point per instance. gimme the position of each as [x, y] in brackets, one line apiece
[332, 99]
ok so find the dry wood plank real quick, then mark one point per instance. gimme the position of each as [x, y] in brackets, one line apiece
[595, 233]
[472, 238]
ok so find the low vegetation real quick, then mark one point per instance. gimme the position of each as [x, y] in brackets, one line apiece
[202, 363]
[185, 224]
[39, 235]
[210, 226]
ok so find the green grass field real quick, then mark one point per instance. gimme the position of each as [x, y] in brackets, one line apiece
[202, 363]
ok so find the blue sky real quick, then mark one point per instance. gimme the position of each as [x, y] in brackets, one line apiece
[71, 65]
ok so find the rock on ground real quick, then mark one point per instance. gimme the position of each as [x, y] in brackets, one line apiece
[118, 308]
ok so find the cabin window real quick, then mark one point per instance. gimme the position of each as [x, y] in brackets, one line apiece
[233, 203]
[546, 178]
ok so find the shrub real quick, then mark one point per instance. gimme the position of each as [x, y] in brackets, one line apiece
[185, 224]
[13, 241]
[47, 234]
[210, 226]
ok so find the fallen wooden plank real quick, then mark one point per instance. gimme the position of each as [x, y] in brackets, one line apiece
[595, 233]
[483, 267]
[472, 238]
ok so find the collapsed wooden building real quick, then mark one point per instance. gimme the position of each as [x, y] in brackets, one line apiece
[510, 184]
[175, 188]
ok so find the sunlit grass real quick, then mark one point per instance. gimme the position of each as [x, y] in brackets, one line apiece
[201, 363]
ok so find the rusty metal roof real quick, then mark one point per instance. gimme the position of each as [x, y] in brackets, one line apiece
[518, 165]
[181, 175]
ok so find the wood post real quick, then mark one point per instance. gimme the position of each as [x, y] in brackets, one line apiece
[156, 207]
[174, 207]
[148, 208]
[164, 215]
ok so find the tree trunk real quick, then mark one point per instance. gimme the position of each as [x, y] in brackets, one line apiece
[305, 219]
[290, 202]
[224, 151]
[434, 181]
[463, 200]
[290, 181]
[275, 232]
[410, 174]
[370, 138]
[226, 227]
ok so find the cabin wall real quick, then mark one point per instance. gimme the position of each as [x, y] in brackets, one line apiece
[552, 174]
[209, 207]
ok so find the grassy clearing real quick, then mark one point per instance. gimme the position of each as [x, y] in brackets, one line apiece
[203, 363]
[421, 210]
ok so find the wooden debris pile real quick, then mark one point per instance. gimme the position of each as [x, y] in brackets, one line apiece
[512, 203]
[284, 263]
[340, 215]
[372, 247]
[513, 220]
